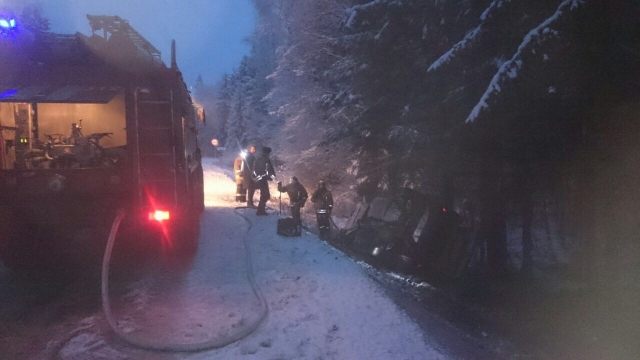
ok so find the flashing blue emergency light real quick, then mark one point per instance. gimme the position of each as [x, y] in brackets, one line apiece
[7, 23]
[7, 26]
[8, 93]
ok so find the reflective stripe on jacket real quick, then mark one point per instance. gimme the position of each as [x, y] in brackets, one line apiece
[322, 200]
[262, 167]
[238, 167]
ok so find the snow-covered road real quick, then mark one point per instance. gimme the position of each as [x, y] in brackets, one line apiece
[322, 305]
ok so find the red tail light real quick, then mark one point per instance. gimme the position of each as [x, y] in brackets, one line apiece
[159, 215]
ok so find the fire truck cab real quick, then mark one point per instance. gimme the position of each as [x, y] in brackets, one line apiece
[89, 125]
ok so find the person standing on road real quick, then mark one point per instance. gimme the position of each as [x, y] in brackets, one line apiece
[249, 184]
[238, 168]
[263, 173]
[323, 202]
[297, 197]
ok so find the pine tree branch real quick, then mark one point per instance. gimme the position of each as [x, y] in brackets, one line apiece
[353, 11]
[468, 38]
[509, 70]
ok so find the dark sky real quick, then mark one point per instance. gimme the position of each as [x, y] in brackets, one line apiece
[209, 33]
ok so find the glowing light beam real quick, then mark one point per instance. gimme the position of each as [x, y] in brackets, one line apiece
[7, 23]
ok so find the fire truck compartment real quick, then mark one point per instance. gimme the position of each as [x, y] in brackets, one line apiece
[79, 127]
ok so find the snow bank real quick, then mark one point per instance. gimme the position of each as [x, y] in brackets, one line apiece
[219, 187]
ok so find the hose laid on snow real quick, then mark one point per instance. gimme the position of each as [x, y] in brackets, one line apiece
[212, 344]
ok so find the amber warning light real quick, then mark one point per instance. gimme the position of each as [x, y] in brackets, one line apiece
[159, 215]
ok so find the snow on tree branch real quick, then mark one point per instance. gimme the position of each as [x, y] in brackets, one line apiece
[377, 37]
[458, 46]
[353, 11]
[471, 35]
[494, 4]
[509, 70]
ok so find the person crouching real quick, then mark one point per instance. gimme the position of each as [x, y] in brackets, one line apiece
[297, 198]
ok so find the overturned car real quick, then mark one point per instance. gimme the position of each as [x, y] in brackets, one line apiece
[412, 233]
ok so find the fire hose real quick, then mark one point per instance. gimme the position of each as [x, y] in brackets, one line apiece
[207, 345]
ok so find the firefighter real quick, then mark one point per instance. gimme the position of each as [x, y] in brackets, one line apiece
[297, 198]
[323, 202]
[248, 175]
[263, 172]
[238, 168]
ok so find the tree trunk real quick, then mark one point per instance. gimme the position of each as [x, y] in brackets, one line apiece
[447, 183]
[527, 220]
[493, 226]
[586, 228]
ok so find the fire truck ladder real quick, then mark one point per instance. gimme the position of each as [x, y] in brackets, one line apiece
[116, 25]
[156, 165]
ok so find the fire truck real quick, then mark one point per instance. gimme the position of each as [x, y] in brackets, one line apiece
[90, 125]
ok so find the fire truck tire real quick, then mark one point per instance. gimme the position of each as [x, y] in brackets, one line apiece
[198, 190]
[25, 249]
[15, 252]
[186, 234]
[9, 243]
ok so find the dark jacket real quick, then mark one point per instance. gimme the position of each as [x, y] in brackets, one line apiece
[262, 167]
[247, 169]
[322, 199]
[297, 193]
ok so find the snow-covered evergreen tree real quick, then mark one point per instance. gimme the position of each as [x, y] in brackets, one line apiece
[458, 99]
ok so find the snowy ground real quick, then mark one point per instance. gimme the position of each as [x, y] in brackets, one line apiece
[322, 305]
